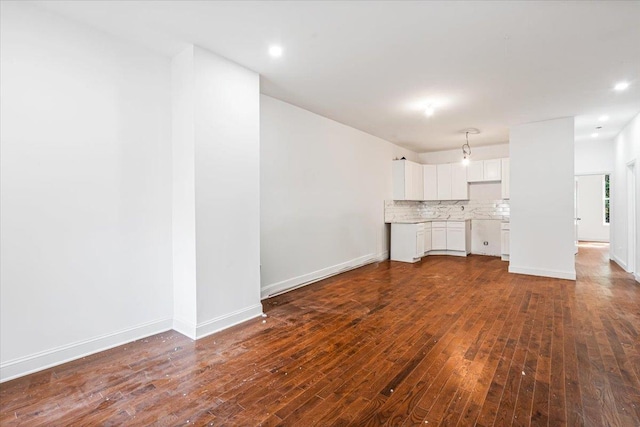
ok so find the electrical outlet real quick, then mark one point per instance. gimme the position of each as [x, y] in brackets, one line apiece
[485, 243]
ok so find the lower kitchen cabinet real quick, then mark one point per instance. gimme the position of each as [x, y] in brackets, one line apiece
[504, 241]
[407, 242]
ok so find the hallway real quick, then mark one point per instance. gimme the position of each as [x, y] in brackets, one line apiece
[447, 341]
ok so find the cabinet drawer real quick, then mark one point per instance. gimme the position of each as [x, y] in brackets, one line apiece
[455, 224]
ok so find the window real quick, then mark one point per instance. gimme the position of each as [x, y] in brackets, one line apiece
[606, 199]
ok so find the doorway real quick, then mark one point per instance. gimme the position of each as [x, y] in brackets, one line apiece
[592, 207]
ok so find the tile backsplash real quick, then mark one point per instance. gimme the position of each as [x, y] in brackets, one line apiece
[411, 211]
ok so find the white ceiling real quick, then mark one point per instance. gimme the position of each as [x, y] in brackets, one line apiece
[374, 65]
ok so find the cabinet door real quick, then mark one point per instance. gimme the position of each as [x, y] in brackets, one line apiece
[430, 178]
[439, 239]
[399, 179]
[459, 184]
[492, 170]
[505, 242]
[419, 244]
[455, 239]
[427, 240]
[417, 182]
[475, 171]
[444, 181]
[505, 178]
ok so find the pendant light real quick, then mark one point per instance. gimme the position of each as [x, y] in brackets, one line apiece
[466, 150]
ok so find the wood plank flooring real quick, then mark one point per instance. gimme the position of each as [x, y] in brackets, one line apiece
[448, 341]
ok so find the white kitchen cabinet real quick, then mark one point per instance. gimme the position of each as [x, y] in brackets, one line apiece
[438, 236]
[459, 184]
[505, 178]
[459, 236]
[427, 237]
[407, 180]
[504, 241]
[484, 170]
[492, 170]
[455, 239]
[430, 181]
[444, 181]
[475, 171]
[407, 242]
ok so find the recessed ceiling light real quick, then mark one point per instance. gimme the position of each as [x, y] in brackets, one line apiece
[275, 51]
[594, 135]
[429, 111]
[603, 118]
[621, 86]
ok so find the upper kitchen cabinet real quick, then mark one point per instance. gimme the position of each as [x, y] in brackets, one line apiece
[408, 183]
[459, 184]
[452, 182]
[505, 178]
[430, 175]
[484, 170]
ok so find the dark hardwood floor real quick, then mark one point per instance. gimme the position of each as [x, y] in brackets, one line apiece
[448, 341]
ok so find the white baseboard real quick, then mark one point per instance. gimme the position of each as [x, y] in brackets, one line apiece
[316, 276]
[618, 261]
[226, 321]
[587, 240]
[187, 329]
[568, 275]
[63, 354]
[448, 253]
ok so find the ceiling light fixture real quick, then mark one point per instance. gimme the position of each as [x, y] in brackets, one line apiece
[466, 150]
[621, 86]
[594, 135]
[429, 111]
[603, 118]
[275, 51]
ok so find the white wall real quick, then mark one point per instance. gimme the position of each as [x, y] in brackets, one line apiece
[216, 149]
[627, 149]
[486, 152]
[227, 173]
[591, 226]
[594, 157]
[323, 186]
[185, 314]
[85, 191]
[542, 198]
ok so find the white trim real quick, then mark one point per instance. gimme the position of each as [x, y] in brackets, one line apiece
[315, 276]
[56, 356]
[618, 261]
[225, 321]
[568, 275]
[587, 240]
[187, 329]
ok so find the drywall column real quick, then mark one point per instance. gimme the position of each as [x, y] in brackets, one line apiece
[542, 199]
[216, 200]
[183, 196]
